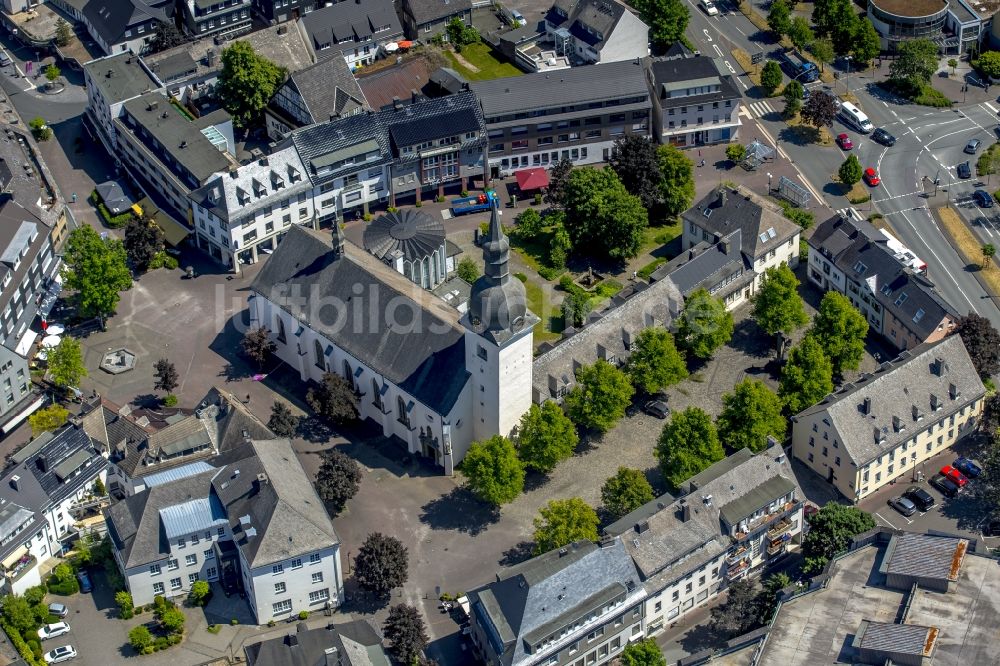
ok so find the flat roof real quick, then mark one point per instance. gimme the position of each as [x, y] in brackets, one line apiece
[910, 8]
[925, 556]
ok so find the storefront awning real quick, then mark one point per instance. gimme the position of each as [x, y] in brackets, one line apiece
[23, 414]
[24, 344]
[12, 559]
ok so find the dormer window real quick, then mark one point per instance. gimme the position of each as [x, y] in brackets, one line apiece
[277, 182]
[860, 267]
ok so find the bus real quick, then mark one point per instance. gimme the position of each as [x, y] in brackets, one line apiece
[855, 117]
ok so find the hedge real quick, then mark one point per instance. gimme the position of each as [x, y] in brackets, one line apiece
[113, 221]
[20, 645]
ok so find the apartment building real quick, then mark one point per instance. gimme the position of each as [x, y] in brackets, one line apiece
[224, 18]
[580, 604]
[576, 114]
[325, 91]
[357, 31]
[596, 31]
[424, 19]
[254, 525]
[122, 26]
[693, 103]
[884, 426]
[882, 278]
[271, 12]
[111, 81]
[730, 521]
[355, 643]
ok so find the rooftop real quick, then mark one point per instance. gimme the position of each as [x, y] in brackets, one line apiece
[408, 233]
[328, 88]
[120, 77]
[343, 25]
[725, 209]
[397, 81]
[352, 644]
[433, 119]
[911, 8]
[430, 10]
[924, 556]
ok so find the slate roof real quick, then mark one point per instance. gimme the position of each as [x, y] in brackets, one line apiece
[432, 119]
[162, 448]
[328, 88]
[564, 87]
[901, 392]
[345, 137]
[356, 644]
[230, 424]
[355, 21]
[705, 266]
[853, 244]
[600, 16]
[924, 556]
[17, 225]
[110, 19]
[410, 233]
[114, 197]
[427, 11]
[730, 209]
[676, 71]
[429, 366]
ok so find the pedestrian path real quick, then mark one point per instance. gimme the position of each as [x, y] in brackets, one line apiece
[850, 214]
[757, 109]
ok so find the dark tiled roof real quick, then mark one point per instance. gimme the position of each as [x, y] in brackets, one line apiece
[310, 647]
[16, 225]
[762, 227]
[426, 11]
[233, 423]
[676, 70]
[112, 18]
[328, 88]
[355, 21]
[322, 139]
[434, 119]
[704, 265]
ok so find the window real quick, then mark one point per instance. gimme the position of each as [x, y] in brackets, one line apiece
[281, 607]
[192, 578]
[282, 339]
[314, 558]
[211, 573]
[318, 353]
[277, 569]
[172, 564]
[209, 554]
[190, 560]
[404, 416]
[222, 531]
[181, 543]
[279, 588]
[154, 569]
[297, 562]
[317, 577]
[175, 583]
[319, 595]
[194, 539]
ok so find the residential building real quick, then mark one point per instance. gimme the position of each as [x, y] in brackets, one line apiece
[576, 114]
[112, 81]
[435, 143]
[354, 643]
[882, 278]
[725, 221]
[408, 80]
[884, 426]
[424, 19]
[578, 604]
[254, 525]
[279, 11]
[693, 104]
[596, 31]
[358, 31]
[225, 18]
[322, 92]
[120, 26]
[730, 521]
[425, 372]
[41, 495]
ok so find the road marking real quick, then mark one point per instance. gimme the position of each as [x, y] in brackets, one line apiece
[885, 105]
[894, 114]
[898, 196]
[760, 109]
[989, 106]
[717, 49]
[729, 66]
[883, 518]
[738, 29]
[707, 36]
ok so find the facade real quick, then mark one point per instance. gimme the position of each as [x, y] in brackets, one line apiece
[112, 81]
[225, 18]
[357, 31]
[124, 26]
[576, 114]
[693, 104]
[596, 31]
[424, 19]
[254, 525]
[885, 425]
[883, 279]
[350, 644]
[581, 604]
[898, 20]
[325, 91]
[280, 11]
[732, 520]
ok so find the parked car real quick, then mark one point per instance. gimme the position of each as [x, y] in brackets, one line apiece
[972, 147]
[903, 505]
[656, 408]
[844, 142]
[709, 7]
[871, 177]
[996, 130]
[517, 19]
[991, 528]
[883, 137]
[923, 499]
[982, 199]
[53, 630]
[60, 654]
[944, 485]
[84, 579]
[59, 610]
[956, 477]
[967, 467]
[5, 60]
[964, 170]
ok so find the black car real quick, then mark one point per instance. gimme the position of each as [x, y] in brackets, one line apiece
[983, 200]
[883, 137]
[964, 170]
[656, 408]
[946, 486]
[920, 497]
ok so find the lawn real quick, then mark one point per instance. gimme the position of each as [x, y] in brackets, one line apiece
[486, 62]
[969, 247]
[657, 235]
[552, 323]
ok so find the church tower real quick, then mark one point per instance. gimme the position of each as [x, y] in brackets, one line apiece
[498, 341]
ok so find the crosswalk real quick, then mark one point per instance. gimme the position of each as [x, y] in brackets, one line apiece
[758, 109]
[850, 214]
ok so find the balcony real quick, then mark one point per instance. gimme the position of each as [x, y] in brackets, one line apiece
[734, 559]
[776, 547]
[780, 528]
[738, 571]
[782, 511]
[22, 566]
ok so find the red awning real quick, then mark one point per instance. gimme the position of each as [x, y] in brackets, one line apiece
[405, 44]
[532, 179]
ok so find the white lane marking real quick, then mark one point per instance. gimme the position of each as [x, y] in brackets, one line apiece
[738, 29]
[883, 519]
[717, 49]
[730, 67]
[707, 36]
[989, 106]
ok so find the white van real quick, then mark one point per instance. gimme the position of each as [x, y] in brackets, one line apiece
[855, 117]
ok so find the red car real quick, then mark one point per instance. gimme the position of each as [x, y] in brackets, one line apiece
[871, 177]
[844, 142]
[956, 477]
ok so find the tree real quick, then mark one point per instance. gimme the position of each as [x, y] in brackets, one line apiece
[741, 611]
[494, 472]
[989, 251]
[749, 414]
[915, 63]
[381, 564]
[850, 171]
[64, 33]
[126, 606]
[602, 218]
[770, 76]
[643, 653]
[166, 376]
[822, 50]
[792, 108]
[140, 638]
[172, 619]
[338, 479]
[799, 32]
[655, 362]
[559, 247]
[99, 488]
[667, 21]
[40, 129]
[953, 64]
[52, 73]
[65, 362]
[688, 444]
[830, 531]
[986, 489]
[677, 186]
[599, 399]
[845, 29]
[200, 592]
[773, 586]
[807, 376]
[529, 223]
[819, 110]
[625, 492]
[334, 399]
[97, 270]
[575, 307]
[545, 437]
[468, 270]
[777, 306]
[51, 418]
[558, 178]
[705, 324]
[143, 240]
[561, 522]
[406, 633]
[247, 83]
[792, 93]
[634, 159]
[18, 614]
[257, 345]
[779, 18]
[283, 422]
[840, 330]
[982, 342]
[866, 44]
[988, 64]
[166, 36]
[460, 34]
[735, 152]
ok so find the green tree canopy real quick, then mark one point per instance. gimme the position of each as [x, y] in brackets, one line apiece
[634, 159]
[770, 77]
[561, 522]
[65, 362]
[688, 444]
[558, 178]
[705, 324]
[64, 32]
[494, 472]
[599, 399]
[807, 376]
[779, 17]
[740, 612]
[850, 170]
[840, 330]
[831, 530]
[18, 614]
[405, 630]
[166, 36]
[677, 184]
[143, 240]
[50, 418]
[140, 638]
[982, 342]
[819, 110]
[602, 218]
[667, 21]
[655, 362]
[800, 33]
[468, 270]
[626, 491]
[749, 414]
[643, 653]
[988, 64]
[528, 224]
[735, 152]
[822, 50]
[867, 43]
[777, 306]
[96, 269]
[247, 82]
[382, 564]
[915, 63]
[545, 437]
[333, 399]
[283, 422]
[793, 91]
[338, 479]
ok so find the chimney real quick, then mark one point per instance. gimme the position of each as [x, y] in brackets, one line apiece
[641, 527]
[722, 197]
[866, 406]
[397, 103]
[262, 479]
[291, 640]
[897, 424]
[685, 511]
[940, 367]
[153, 106]
[184, 144]
[210, 57]
[953, 391]
[726, 245]
[15, 482]
[563, 552]
[42, 464]
[935, 402]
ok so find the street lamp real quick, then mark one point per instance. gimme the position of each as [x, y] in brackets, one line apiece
[848, 59]
[768, 182]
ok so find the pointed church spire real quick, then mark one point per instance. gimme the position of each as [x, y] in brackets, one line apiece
[496, 250]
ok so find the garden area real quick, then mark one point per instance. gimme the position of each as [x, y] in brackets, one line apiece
[471, 57]
[165, 630]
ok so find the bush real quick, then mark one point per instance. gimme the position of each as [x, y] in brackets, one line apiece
[304, 615]
[161, 643]
[234, 622]
[170, 400]
[216, 628]
[538, 199]
[932, 97]
[39, 129]
[803, 218]
[140, 638]
[163, 260]
[125, 607]
[200, 593]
